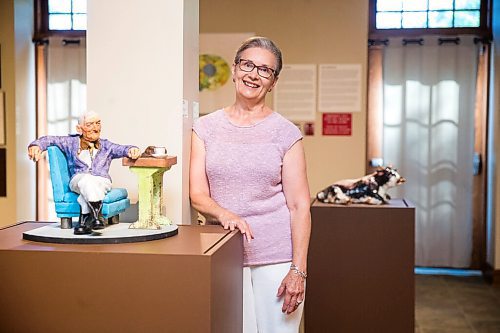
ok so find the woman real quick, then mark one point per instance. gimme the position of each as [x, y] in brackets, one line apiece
[248, 172]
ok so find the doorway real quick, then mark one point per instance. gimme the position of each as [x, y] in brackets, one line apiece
[61, 99]
[427, 117]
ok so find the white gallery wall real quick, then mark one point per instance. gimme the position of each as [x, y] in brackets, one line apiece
[142, 77]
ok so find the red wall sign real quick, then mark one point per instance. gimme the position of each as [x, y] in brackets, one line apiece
[337, 123]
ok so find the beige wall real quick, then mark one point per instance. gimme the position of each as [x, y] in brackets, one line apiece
[308, 32]
[8, 204]
[25, 109]
[16, 28]
[138, 85]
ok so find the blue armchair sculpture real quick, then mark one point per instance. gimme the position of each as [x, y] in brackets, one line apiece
[66, 204]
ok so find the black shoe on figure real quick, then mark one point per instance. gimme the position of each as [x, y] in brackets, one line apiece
[98, 220]
[83, 227]
[99, 223]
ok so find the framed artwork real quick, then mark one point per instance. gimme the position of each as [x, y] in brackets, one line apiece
[2, 106]
[0, 67]
[2, 118]
[3, 172]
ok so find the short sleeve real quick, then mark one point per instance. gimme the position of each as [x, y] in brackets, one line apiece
[292, 137]
[205, 125]
[199, 127]
[288, 135]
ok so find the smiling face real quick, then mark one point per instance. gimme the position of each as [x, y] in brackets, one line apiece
[250, 85]
[90, 129]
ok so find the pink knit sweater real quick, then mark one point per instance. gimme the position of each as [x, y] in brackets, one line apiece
[243, 166]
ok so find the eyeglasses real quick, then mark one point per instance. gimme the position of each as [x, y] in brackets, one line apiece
[248, 66]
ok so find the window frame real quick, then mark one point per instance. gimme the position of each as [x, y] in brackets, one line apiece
[484, 29]
[42, 23]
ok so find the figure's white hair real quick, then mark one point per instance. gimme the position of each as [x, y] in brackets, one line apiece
[87, 114]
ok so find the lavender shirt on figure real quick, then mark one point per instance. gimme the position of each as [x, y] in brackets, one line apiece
[70, 146]
[243, 166]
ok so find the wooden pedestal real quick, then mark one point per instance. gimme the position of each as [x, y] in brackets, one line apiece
[361, 269]
[191, 282]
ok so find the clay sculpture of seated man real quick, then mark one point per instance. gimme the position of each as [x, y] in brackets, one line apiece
[89, 158]
[370, 189]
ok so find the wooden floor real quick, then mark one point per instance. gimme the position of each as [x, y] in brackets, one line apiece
[450, 304]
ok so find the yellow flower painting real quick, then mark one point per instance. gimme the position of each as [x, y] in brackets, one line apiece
[214, 72]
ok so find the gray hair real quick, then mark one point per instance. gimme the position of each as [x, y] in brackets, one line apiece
[88, 114]
[263, 43]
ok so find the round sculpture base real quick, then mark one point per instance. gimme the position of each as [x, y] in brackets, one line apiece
[112, 234]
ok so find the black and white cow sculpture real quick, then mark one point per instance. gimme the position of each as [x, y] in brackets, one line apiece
[371, 189]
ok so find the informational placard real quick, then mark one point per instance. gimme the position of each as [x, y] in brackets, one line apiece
[339, 88]
[337, 124]
[295, 93]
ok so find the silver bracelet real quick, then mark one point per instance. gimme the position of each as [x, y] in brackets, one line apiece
[296, 270]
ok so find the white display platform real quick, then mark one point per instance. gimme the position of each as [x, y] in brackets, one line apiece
[112, 234]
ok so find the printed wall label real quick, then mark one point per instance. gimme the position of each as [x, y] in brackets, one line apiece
[337, 124]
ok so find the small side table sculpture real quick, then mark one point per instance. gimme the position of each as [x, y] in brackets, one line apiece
[149, 171]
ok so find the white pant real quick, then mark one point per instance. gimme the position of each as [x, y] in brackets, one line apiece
[91, 189]
[261, 308]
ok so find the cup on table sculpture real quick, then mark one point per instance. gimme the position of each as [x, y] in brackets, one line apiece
[159, 151]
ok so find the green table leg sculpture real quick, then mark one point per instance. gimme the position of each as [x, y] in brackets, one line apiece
[150, 198]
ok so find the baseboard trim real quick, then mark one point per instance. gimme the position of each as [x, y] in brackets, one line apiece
[491, 275]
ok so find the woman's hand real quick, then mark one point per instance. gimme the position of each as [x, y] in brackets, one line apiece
[292, 287]
[232, 221]
[199, 192]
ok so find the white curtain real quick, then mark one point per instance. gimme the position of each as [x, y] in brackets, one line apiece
[66, 92]
[66, 84]
[428, 106]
